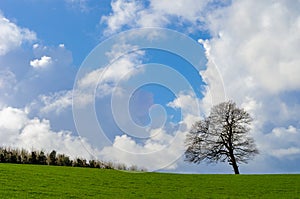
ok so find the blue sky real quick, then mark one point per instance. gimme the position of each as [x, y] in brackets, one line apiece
[245, 51]
[61, 22]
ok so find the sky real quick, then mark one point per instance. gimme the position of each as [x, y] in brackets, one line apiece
[124, 81]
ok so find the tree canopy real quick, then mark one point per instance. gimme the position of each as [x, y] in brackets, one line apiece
[222, 136]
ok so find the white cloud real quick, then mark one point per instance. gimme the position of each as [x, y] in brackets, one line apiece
[283, 142]
[123, 13]
[158, 152]
[256, 64]
[149, 18]
[18, 130]
[35, 46]
[187, 102]
[286, 153]
[191, 109]
[12, 119]
[56, 102]
[104, 79]
[21, 84]
[12, 36]
[190, 10]
[255, 47]
[43, 62]
[157, 13]
[262, 40]
[120, 67]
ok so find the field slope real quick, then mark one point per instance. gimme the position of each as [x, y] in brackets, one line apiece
[33, 181]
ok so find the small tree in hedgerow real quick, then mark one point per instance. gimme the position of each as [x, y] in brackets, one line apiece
[222, 136]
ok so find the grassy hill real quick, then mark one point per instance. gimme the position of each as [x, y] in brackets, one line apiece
[35, 181]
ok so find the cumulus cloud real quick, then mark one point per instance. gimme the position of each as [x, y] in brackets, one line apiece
[123, 13]
[255, 63]
[13, 36]
[43, 62]
[160, 151]
[250, 31]
[187, 102]
[283, 142]
[191, 109]
[191, 10]
[157, 13]
[17, 129]
[259, 68]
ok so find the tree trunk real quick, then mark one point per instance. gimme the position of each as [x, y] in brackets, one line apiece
[233, 162]
[235, 167]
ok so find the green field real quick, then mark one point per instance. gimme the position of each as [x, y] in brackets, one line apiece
[34, 181]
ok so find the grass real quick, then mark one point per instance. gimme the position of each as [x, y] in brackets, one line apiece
[35, 181]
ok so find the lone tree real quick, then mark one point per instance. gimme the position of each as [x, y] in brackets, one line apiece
[222, 136]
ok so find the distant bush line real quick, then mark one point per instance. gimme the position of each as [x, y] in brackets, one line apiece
[22, 156]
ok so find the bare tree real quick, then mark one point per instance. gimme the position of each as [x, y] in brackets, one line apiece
[223, 136]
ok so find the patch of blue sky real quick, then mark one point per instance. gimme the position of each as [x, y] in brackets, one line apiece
[56, 22]
[181, 65]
